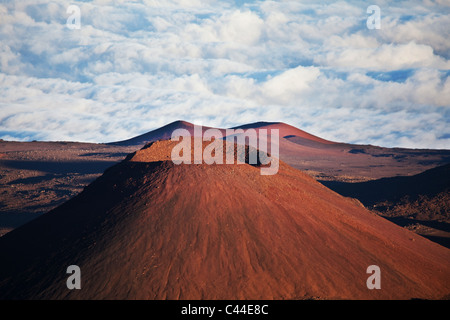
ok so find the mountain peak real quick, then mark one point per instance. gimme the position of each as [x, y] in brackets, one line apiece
[156, 230]
[165, 132]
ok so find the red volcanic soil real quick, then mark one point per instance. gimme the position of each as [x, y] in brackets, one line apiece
[324, 159]
[163, 133]
[286, 131]
[36, 177]
[149, 229]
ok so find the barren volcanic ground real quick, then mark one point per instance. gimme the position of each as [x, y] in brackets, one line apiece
[420, 202]
[326, 160]
[150, 229]
[35, 177]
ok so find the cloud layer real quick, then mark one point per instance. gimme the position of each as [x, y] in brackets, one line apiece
[136, 65]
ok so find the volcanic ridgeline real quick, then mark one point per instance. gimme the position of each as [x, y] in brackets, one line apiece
[150, 229]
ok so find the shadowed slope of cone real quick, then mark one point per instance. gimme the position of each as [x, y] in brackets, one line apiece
[149, 229]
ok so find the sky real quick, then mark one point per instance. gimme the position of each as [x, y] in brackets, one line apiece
[133, 66]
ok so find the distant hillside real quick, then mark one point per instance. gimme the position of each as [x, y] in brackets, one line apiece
[150, 229]
[394, 189]
[420, 202]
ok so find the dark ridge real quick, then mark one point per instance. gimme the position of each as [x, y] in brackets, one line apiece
[428, 183]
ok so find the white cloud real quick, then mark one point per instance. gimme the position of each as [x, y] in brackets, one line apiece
[290, 85]
[137, 65]
[386, 57]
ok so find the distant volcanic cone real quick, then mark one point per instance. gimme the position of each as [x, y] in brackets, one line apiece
[150, 229]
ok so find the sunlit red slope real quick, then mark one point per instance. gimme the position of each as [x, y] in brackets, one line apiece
[149, 229]
[287, 131]
[163, 133]
[324, 159]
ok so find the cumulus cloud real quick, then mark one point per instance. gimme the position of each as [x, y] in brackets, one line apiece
[136, 65]
[387, 57]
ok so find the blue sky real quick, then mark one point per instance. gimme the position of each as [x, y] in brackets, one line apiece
[134, 66]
